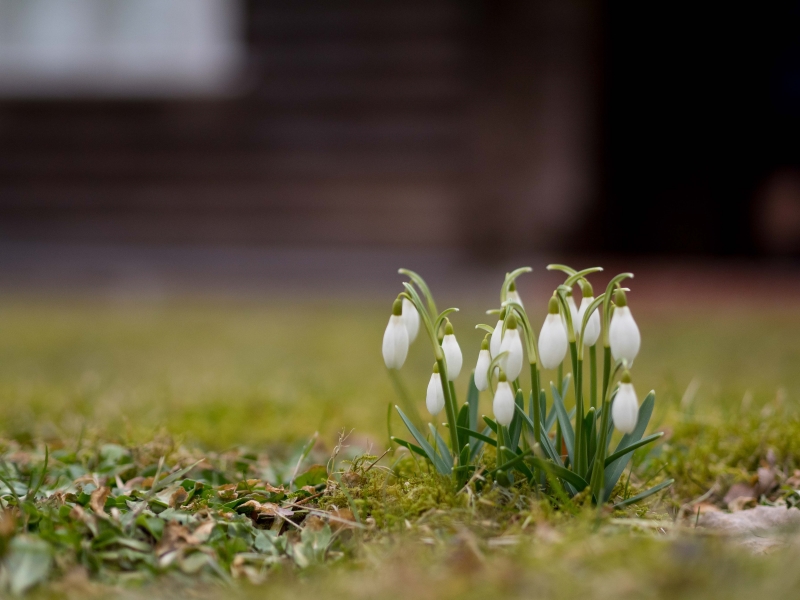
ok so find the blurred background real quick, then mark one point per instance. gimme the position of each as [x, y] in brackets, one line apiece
[158, 155]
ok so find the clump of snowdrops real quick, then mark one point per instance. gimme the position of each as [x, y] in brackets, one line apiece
[559, 452]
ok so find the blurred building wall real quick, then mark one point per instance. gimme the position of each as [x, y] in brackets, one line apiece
[491, 128]
[445, 123]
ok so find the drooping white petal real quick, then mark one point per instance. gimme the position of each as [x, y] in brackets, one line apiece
[625, 409]
[552, 342]
[592, 332]
[411, 319]
[434, 399]
[513, 295]
[482, 370]
[623, 335]
[511, 363]
[503, 405]
[496, 339]
[452, 356]
[573, 311]
[395, 343]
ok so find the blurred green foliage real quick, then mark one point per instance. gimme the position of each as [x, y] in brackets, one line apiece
[221, 374]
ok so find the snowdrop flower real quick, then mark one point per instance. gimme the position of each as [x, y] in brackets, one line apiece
[434, 399]
[625, 410]
[452, 353]
[573, 311]
[511, 363]
[395, 338]
[592, 331]
[482, 368]
[497, 335]
[513, 294]
[503, 405]
[623, 334]
[411, 319]
[552, 338]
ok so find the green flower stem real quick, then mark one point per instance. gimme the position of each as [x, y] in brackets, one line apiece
[502, 441]
[536, 405]
[560, 375]
[593, 375]
[577, 370]
[606, 368]
[598, 473]
[449, 407]
[454, 400]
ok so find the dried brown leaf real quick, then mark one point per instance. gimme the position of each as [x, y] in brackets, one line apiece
[175, 537]
[227, 491]
[203, 532]
[97, 500]
[794, 480]
[767, 481]
[741, 503]
[178, 497]
[739, 490]
[313, 523]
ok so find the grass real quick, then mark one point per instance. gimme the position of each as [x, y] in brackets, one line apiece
[245, 386]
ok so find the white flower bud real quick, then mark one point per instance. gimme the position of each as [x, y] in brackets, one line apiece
[452, 353]
[623, 333]
[434, 399]
[573, 311]
[411, 319]
[592, 332]
[482, 370]
[395, 339]
[503, 405]
[511, 363]
[496, 339]
[513, 295]
[625, 409]
[553, 341]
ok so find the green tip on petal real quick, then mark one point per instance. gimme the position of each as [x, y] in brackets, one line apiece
[626, 377]
[448, 329]
[512, 322]
[502, 376]
[485, 343]
[586, 288]
[397, 307]
[552, 307]
[620, 299]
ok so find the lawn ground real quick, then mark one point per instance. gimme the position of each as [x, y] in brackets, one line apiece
[228, 378]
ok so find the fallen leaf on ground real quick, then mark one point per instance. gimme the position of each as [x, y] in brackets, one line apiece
[175, 537]
[767, 481]
[97, 501]
[741, 503]
[739, 490]
[178, 497]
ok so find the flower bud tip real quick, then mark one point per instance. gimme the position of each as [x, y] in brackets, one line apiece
[448, 329]
[552, 307]
[620, 299]
[397, 307]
